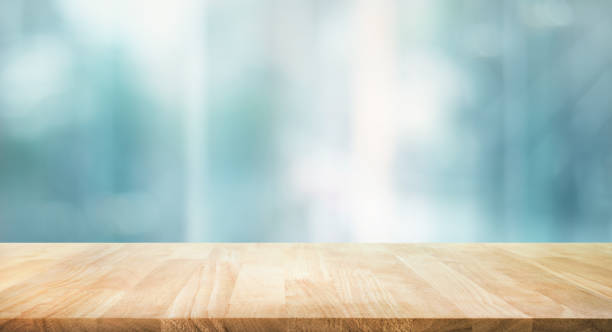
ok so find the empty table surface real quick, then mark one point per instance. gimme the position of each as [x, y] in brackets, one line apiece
[306, 287]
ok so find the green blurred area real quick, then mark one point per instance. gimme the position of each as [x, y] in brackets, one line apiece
[306, 120]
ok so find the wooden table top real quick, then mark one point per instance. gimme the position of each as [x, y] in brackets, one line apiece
[306, 287]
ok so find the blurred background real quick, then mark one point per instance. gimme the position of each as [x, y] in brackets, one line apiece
[306, 120]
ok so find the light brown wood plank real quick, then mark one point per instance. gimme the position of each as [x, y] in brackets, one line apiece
[306, 287]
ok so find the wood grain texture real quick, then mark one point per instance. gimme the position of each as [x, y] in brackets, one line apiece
[306, 287]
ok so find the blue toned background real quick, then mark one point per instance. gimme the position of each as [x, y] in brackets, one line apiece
[311, 120]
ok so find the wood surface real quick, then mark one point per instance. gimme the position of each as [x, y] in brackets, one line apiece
[306, 287]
